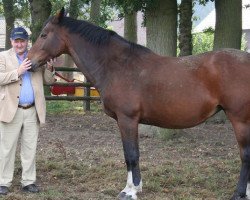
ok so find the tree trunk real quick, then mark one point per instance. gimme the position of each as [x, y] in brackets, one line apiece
[40, 11]
[68, 61]
[74, 8]
[228, 27]
[130, 27]
[95, 12]
[185, 27]
[161, 23]
[228, 31]
[10, 19]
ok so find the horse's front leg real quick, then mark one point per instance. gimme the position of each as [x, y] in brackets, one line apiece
[129, 133]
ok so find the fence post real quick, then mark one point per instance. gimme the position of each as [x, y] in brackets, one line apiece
[87, 90]
[87, 102]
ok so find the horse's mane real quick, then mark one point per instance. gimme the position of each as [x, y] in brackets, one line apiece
[94, 34]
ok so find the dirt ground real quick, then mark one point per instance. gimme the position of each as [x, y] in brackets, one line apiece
[80, 156]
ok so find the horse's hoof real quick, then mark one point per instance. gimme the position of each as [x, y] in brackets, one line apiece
[124, 196]
[238, 197]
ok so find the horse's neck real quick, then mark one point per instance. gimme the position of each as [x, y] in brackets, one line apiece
[92, 60]
[86, 59]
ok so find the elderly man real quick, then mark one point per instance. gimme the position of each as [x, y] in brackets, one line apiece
[22, 109]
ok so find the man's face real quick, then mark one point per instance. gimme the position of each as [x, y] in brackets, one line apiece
[19, 45]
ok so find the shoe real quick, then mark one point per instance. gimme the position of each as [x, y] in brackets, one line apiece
[4, 190]
[31, 188]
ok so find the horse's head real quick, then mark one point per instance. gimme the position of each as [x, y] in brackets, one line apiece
[50, 43]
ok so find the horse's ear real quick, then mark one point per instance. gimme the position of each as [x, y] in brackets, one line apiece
[60, 15]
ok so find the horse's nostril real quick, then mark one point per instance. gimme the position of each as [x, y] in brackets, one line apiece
[31, 70]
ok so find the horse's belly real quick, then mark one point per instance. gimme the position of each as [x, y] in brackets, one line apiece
[174, 121]
[177, 116]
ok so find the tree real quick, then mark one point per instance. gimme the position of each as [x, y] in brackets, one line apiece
[40, 11]
[74, 8]
[128, 12]
[228, 31]
[95, 11]
[130, 26]
[161, 23]
[8, 6]
[203, 41]
[13, 9]
[228, 27]
[73, 12]
[185, 27]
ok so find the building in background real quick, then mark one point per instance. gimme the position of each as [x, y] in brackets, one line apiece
[206, 19]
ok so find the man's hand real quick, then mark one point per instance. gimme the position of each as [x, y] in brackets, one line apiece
[25, 65]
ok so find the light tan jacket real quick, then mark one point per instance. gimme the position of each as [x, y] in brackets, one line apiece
[10, 85]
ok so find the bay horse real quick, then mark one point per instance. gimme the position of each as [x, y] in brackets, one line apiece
[138, 86]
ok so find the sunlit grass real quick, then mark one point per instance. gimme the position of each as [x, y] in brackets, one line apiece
[55, 107]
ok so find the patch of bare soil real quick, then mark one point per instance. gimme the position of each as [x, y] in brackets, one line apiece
[81, 157]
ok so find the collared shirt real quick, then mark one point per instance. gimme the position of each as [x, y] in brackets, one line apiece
[26, 94]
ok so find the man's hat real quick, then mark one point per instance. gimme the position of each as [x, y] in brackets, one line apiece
[19, 33]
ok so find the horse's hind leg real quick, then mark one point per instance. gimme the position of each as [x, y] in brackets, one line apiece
[248, 188]
[242, 132]
[129, 134]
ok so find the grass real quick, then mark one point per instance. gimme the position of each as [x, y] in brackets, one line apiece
[97, 171]
[192, 179]
[185, 180]
[168, 134]
[55, 107]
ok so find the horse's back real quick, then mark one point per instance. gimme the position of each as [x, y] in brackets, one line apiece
[181, 92]
[186, 91]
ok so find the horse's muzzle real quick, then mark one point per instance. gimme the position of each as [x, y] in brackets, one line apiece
[33, 68]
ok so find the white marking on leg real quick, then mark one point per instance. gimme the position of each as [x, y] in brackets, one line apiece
[131, 189]
[248, 191]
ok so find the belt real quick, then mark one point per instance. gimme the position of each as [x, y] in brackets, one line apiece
[26, 106]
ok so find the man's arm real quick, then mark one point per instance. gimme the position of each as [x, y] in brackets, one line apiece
[9, 76]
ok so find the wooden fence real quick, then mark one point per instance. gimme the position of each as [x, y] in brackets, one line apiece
[86, 98]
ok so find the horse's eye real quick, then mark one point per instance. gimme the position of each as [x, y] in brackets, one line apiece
[43, 35]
